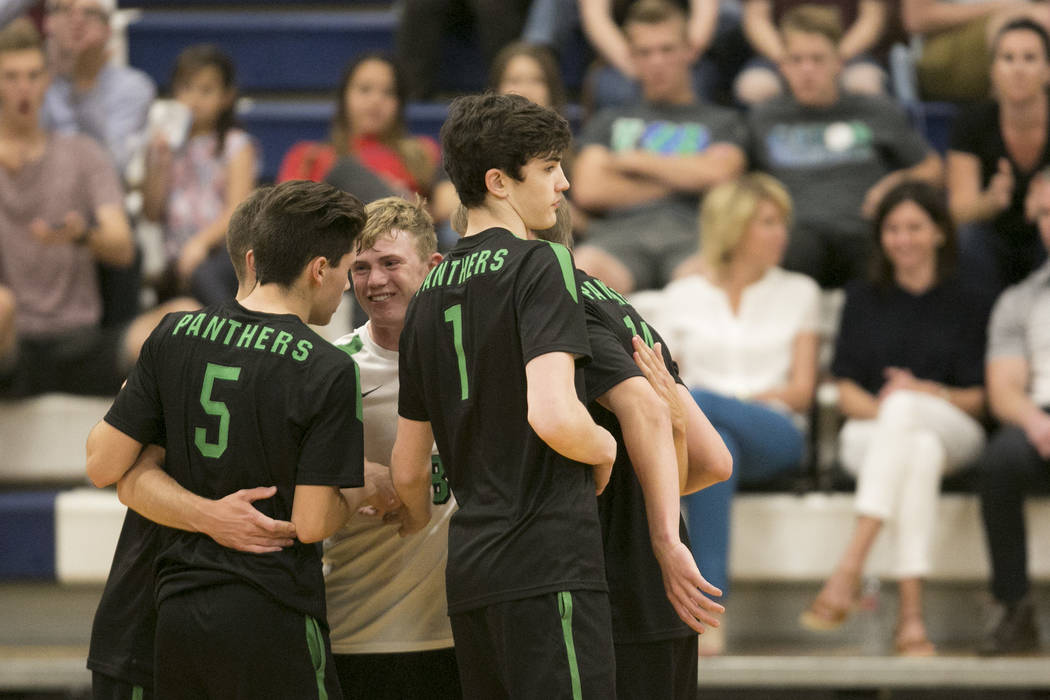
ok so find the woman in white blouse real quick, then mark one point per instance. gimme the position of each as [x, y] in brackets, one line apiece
[744, 332]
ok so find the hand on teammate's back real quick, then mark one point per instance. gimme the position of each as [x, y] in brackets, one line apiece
[235, 523]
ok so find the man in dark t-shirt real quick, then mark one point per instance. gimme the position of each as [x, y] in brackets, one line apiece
[488, 361]
[241, 395]
[655, 589]
[121, 652]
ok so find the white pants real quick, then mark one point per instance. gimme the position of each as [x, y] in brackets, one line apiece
[899, 458]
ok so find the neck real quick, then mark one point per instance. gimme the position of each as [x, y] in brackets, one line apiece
[385, 336]
[28, 132]
[1029, 112]
[684, 95]
[275, 299]
[738, 275]
[916, 280]
[492, 213]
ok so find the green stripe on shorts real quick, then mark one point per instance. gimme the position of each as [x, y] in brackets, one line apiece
[136, 692]
[565, 610]
[315, 643]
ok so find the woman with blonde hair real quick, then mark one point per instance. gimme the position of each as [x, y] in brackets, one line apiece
[745, 334]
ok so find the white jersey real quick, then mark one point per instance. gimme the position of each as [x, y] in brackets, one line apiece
[386, 594]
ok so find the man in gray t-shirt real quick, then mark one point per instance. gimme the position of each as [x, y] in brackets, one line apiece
[1016, 461]
[837, 153]
[642, 169]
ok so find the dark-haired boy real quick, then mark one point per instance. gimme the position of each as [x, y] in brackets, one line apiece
[242, 394]
[488, 368]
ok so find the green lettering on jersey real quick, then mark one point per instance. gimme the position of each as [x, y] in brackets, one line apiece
[468, 266]
[483, 258]
[567, 272]
[280, 343]
[439, 274]
[302, 350]
[186, 318]
[353, 347]
[247, 334]
[452, 270]
[497, 259]
[264, 335]
[195, 327]
[592, 292]
[428, 280]
[612, 293]
[215, 324]
[234, 325]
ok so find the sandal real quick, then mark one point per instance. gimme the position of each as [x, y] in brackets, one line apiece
[821, 617]
[917, 645]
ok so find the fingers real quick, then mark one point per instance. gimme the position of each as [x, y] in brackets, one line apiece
[257, 493]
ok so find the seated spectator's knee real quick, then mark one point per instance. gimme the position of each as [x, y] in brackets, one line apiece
[755, 85]
[928, 453]
[139, 329]
[1005, 457]
[900, 408]
[864, 79]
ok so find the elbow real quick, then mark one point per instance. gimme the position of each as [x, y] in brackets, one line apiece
[97, 473]
[723, 466]
[310, 530]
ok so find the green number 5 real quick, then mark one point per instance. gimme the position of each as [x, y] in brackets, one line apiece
[215, 408]
[454, 315]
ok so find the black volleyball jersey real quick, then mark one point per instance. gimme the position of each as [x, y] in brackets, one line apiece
[243, 399]
[640, 609]
[528, 520]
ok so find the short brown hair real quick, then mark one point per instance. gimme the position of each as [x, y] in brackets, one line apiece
[813, 19]
[653, 12]
[391, 214]
[20, 35]
[240, 232]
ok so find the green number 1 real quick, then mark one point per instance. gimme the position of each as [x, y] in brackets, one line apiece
[647, 336]
[215, 408]
[454, 315]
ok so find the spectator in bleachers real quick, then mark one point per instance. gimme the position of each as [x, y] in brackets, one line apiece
[954, 37]
[61, 213]
[89, 92]
[618, 81]
[997, 148]
[909, 372]
[864, 22]
[641, 168]
[1016, 462]
[194, 186]
[838, 153]
[426, 24]
[745, 335]
[369, 126]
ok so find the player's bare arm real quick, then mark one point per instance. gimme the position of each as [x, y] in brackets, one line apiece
[561, 420]
[709, 459]
[231, 521]
[646, 424]
[110, 454]
[410, 469]
[318, 511]
[650, 361]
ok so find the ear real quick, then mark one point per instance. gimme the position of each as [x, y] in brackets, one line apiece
[317, 269]
[435, 259]
[249, 261]
[496, 182]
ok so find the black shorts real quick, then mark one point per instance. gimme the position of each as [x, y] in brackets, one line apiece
[86, 362]
[105, 687]
[551, 646]
[233, 641]
[663, 670]
[416, 674]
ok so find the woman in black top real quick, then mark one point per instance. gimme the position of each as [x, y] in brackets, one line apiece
[909, 368]
[997, 147]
